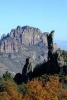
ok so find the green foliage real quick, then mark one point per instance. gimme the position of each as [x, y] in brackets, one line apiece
[2, 85]
[22, 88]
[7, 75]
[39, 88]
[64, 86]
[64, 53]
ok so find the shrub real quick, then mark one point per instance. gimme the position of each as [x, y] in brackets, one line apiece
[7, 75]
[2, 85]
[22, 88]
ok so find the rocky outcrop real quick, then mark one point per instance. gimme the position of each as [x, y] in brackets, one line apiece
[21, 43]
[55, 62]
[54, 65]
[21, 36]
[27, 67]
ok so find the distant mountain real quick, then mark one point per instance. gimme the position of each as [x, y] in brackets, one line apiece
[21, 43]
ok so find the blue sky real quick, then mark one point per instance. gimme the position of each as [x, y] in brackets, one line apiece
[44, 14]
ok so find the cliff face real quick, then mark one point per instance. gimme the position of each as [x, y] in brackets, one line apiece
[21, 43]
[21, 36]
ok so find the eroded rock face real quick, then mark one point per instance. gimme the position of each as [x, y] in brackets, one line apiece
[21, 36]
[21, 43]
[55, 58]
[60, 58]
[27, 67]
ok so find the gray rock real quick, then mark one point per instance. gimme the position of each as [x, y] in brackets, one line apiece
[27, 67]
[21, 36]
[21, 43]
[60, 58]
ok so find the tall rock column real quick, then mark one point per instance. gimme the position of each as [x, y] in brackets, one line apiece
[27, 70]
[55, 59]
[50, 44]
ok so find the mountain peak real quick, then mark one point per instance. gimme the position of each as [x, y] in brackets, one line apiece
[19, 37]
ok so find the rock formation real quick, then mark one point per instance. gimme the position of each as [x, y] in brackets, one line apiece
[21, 43]
[55, 63]
[21, 36]
[27, 67]
[55, 59]
[50, 44]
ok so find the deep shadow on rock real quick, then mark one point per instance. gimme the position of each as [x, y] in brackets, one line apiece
[18, 78]
[54, 65]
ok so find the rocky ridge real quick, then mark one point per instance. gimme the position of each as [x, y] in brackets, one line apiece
[21, 43]
[21, 36]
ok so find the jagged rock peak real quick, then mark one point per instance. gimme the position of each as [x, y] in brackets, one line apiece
[30, 27]
[27, 28]
[21, 36]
